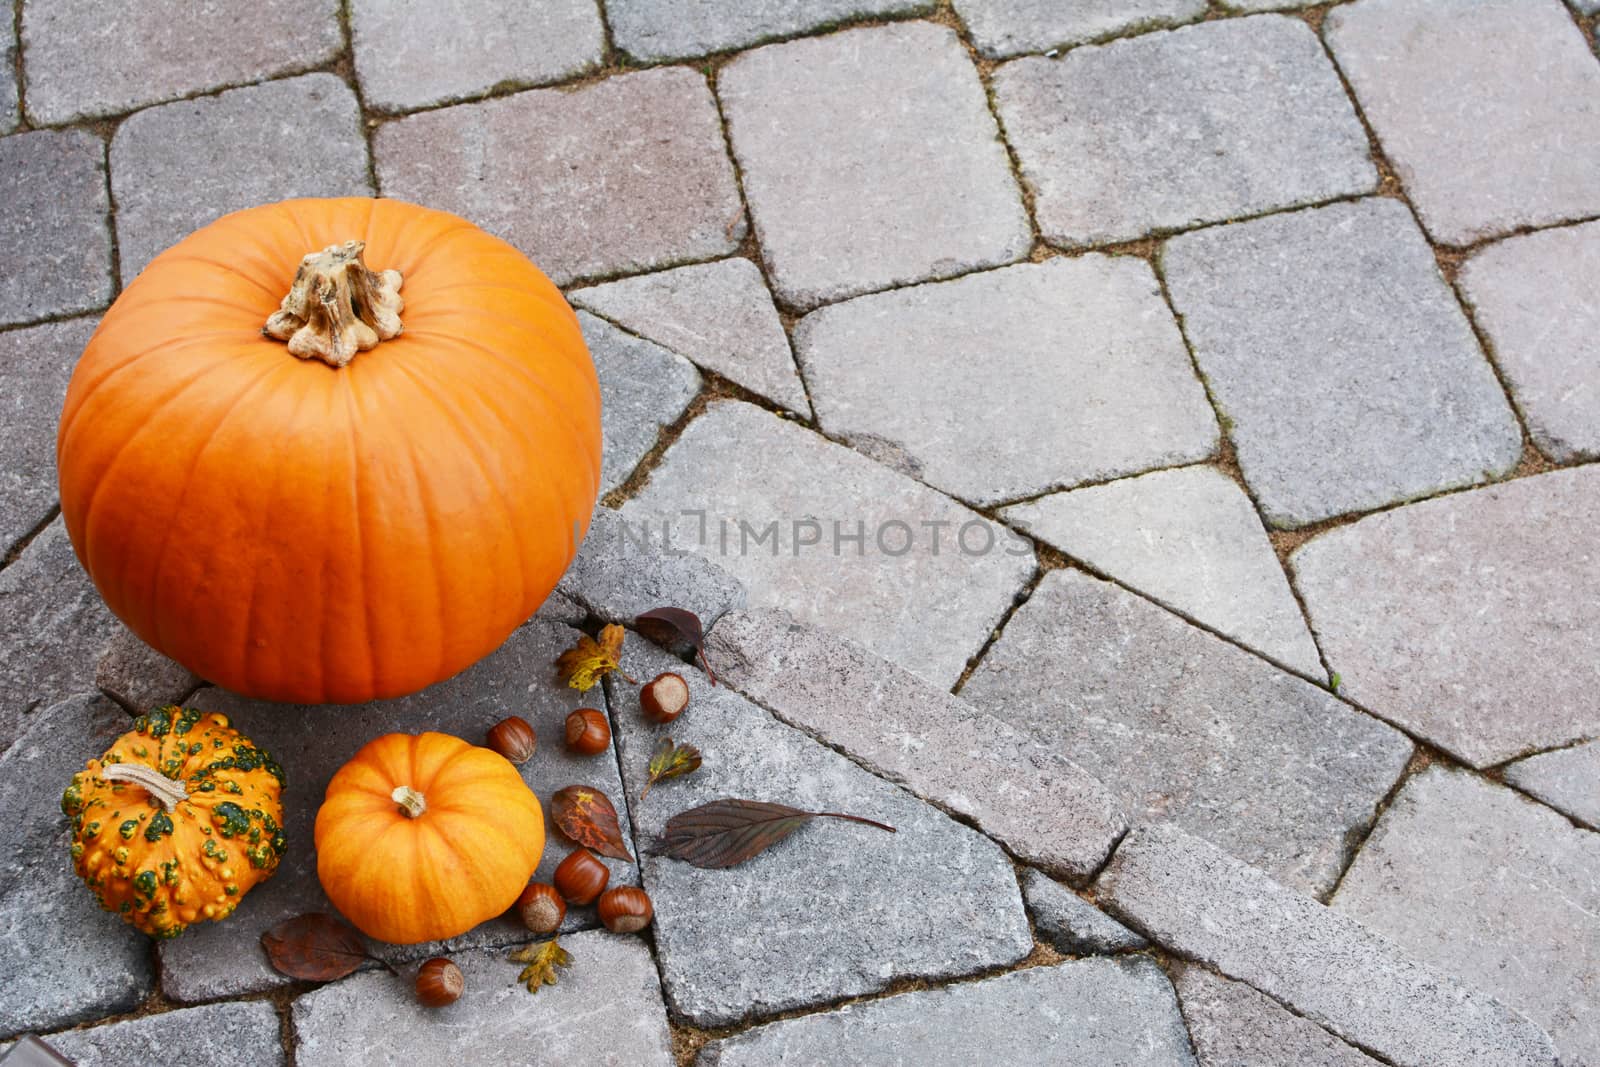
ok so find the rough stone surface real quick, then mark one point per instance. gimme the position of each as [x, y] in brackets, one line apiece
[559, 607]
[63, 959]
[52, 627]
[1232, 1025]
[1110, 1013]
[1494, 889]
[1568, 780]
[55, 239]
[915, 191]
[1187, 728]
[621, 572]
[1204, 904]
[1480, 147]
[1002, 28]
[643, 388]
[1191, 539]
[411, 55]
[675, 29]
[1351, 376]
[177, 167]
[928, 608]
[1010, 382]
[1448, 618]
[1072, 924]
[138, 677]
[1028, 796]
[630, 174]
[835, 910]
[8, 81]
[1534, 299]
[35, 365]
[242, 1034]
[1171, 130]
[314, 742]
[718, 315]
[86, 58]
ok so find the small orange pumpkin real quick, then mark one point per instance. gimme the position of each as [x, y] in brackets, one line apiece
[422, 837]
[309, 481]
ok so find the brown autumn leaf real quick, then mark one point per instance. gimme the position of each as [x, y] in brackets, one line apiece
[685, 623]
[543, 959]
[587, 815]
[316, 947]
[588, 661]
[726, 832]
[670, 761]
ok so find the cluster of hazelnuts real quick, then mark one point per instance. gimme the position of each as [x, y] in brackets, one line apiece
[662, 699]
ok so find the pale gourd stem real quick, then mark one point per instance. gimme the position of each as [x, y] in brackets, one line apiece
[171, 793]
[412, 804]
[337, 307]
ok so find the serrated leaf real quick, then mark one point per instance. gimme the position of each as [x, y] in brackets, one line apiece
[543, 959]
[315, 947]
[726, 832]
[588, 660]
[685, 623]
[587, 815]
[670, 761]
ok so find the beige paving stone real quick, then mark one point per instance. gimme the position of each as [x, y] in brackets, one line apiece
[1002, 28]
[653, 30]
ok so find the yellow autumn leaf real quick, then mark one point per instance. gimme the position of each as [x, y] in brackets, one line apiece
[588, 661]
[543, 959]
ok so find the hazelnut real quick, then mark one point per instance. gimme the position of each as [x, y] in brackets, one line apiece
[439, 982]
[514, 739]
[664, 697]
[581, 877]
[541, 908]
[588, 732]
[626, 910]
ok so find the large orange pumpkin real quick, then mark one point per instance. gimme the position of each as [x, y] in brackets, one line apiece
[355, 514]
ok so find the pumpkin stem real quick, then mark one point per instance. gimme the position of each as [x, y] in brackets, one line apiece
[411, 802]
[152, 781]
[337, 307]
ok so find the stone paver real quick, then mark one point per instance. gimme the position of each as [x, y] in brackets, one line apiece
[313, 742]
[719, 315]
[643, 388]
[242, 1034]
[1495, 889]
[1447, 618]
[1480, 147]
[1010, 382]
[66, 960]
[1534, 299]
[35, 364]
[1567, 779]
[86, 58]
[1102, 1012]
[1026, 795]
[835, 910]
[918, 190]
[1232, 1025]
[177, 167]
[55, 238]
[621, 571]
[906, 589]
[630, 174]
[1170, 130]
[1072, 924]
[1204, 904]
[140, 678]
[1191, 539]
[605, 1009]
[1189, 729]
[1001, 28]
[676, 29]
[8, 81]
[410, 55]
[1344, 362]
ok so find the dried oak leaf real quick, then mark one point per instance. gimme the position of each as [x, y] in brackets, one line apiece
[315, 947]
[588, 661]
[683, 622]
[670, 761]
[587, 815]
[726, 832]
[543, 959]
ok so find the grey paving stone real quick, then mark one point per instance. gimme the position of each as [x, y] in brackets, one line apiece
[1232, 1025]
[1191, 539]
[35, 365]
[919, 190]
[1072, 924]
[1171, 130]
[606, 1008]
[1488, 886]
[1204, 904]
[1533, 297]
[243, 1034]
[138, 677]
[52, 627]
[63, 959]
[1351, 376]
[411, 55]
[1001, 28]
[622, 572]
[86, 58]
[630, 174]
[781, 509]
[1028, 796]
[1567, 779]
[1441, 84]
[1448, 618]
[55, 238]
[313, 742]
[9, 114]
[1014, 381]
[177, 167]
[559, 607]
[718, 314]
[1109, 1013]
[1187, 728]
[675, 29]
[837, 909]
[643, 388]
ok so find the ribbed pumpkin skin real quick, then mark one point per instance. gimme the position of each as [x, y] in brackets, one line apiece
[308, 534]
[461, 862]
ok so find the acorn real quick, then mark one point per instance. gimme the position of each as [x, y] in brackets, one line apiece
[439, 982]
[588, 732]
[541, 908]
[581, 877]
[626, 909]
[664, 697]
[514, 739]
